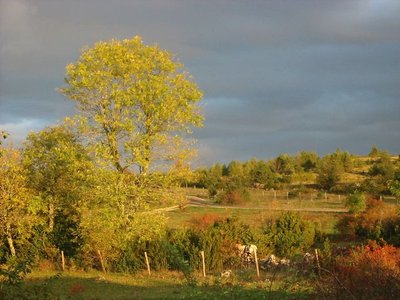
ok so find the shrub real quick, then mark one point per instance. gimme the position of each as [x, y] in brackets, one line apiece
[347, 227]
[205, 220]
[370, 272]
[234, 196]
[326, 256]
[217, 241]
[160, 252]
[212, 191]
[290, 234]
[378, 221]
[345, 188]
[14, 271]
[356, 203]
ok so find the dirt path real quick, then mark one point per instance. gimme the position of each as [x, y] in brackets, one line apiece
[194, 201]
[199, 202]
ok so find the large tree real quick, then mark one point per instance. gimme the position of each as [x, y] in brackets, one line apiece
[57, 169]
[135, 103]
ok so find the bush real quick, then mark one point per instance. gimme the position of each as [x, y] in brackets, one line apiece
[378, 221]
[290, 234]
[217, 241]
[356, 203]
[179, 249]
[234, 196]
[161, 253]
[347, 227]
[205, 220]
[345, 188]
[370, 272]
[15, 270]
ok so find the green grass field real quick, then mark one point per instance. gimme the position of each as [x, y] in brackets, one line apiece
[161, 285]
[263, 206]
[253, 217]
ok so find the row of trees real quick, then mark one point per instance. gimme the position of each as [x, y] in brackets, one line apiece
[306, 168]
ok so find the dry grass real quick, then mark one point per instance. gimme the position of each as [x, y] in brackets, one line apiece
[263, 206]
[254, 217]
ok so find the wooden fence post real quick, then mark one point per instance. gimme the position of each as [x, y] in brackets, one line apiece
[101, 261]
[147, 263]
[256, 260]
[203, 263]
[62, 260]
[318, 265]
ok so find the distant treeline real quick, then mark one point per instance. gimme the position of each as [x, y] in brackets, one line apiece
[338, 172]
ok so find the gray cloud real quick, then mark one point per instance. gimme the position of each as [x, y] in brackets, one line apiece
[278, 76]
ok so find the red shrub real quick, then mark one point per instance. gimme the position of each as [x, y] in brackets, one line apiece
[370, 272]
[377, 212]
[235, 196]
[379, 221]
[206, 220]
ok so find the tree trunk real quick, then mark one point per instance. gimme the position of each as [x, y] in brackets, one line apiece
[10, 241]
[11, 245]
[51, 215]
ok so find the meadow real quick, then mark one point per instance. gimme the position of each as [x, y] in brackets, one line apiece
[262, 207]
[160, 285]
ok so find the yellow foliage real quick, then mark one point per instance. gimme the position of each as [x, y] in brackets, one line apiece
[137, 102]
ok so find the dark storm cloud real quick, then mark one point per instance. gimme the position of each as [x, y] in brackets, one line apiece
[278, 76]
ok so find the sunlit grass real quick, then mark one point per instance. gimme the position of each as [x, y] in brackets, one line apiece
[244, 284]
[253, 217]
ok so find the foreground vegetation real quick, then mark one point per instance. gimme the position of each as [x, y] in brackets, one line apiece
[175, 263]
[160, 285]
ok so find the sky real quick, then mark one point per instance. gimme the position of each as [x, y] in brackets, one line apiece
[278, 76]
